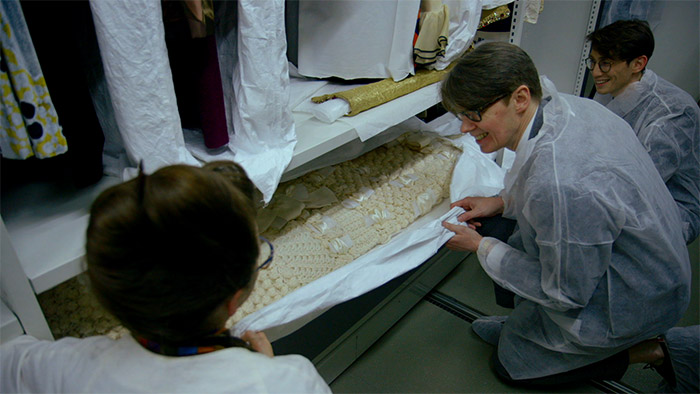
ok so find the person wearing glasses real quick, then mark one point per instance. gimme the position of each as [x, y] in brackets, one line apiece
[595, 283]
[172, 255]
[665, 118]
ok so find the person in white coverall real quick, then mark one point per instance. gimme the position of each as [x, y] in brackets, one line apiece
[665, 118]
[172, 255]
[596, 283]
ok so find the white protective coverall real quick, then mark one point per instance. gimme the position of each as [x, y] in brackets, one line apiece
[597, 261]
[667, 122]
[102, 365]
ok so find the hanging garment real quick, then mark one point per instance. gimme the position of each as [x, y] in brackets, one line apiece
[200, 17]
[29, 125]
[195, 68]
[533, 9]
[252, 50]
[433, 34]
[132, 44]
[64, 39]
[464, 20]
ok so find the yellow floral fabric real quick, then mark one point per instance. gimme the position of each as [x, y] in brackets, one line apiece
[29, 123]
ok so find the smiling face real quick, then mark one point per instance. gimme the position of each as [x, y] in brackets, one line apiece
[501, 125]
[620, 75]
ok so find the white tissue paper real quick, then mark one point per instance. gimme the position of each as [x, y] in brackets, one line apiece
[373, 121]
[302, 89]
[357, 39]
[252, 55]
[131, 37]
[328, 111]
[407, 250]
[464, 21]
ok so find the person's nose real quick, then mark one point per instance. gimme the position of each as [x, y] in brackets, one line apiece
[467, 125]
[596, 71]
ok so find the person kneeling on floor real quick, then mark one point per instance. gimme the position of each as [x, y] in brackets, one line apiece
[596, 283]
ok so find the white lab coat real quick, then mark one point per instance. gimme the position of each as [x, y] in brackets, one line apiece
[667, 122]
[103, 365]
[597, 260]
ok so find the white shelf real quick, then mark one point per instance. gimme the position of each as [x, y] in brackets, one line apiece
[47, 225]
[315, 138]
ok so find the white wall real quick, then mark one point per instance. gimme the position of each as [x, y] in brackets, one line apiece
[676, 55]
[555, 42]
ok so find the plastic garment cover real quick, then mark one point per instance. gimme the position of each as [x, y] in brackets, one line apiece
[667, 122]
[597, 260]
[252, 53]
[464, 20]
[357, 39]
[137, 71]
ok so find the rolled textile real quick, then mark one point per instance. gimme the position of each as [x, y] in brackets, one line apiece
[371, 95]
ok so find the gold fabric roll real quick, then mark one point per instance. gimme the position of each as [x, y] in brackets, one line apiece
[371, 95]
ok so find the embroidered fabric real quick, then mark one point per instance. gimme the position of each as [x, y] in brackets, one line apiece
[378, 194]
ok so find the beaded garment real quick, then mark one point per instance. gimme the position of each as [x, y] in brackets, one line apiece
[328, 218]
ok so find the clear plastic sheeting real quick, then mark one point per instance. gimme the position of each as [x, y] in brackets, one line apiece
[137, 71]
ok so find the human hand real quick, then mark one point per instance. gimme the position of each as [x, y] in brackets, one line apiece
[259, 342]
[465, 239]
[478, 207]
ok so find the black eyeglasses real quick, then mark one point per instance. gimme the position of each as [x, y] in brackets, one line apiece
[604, 65]
[475, 115]
[267, 262]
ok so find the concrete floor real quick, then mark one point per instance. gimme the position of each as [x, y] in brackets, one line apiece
[432, 350]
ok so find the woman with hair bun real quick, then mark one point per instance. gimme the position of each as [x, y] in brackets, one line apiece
[172, 255]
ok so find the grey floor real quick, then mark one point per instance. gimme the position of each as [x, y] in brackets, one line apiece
[431, 350]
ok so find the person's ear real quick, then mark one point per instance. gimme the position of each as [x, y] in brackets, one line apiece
[639, 63]
[521, 98]
[235, 301]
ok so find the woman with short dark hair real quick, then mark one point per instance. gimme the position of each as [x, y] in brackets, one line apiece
[172, 255]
